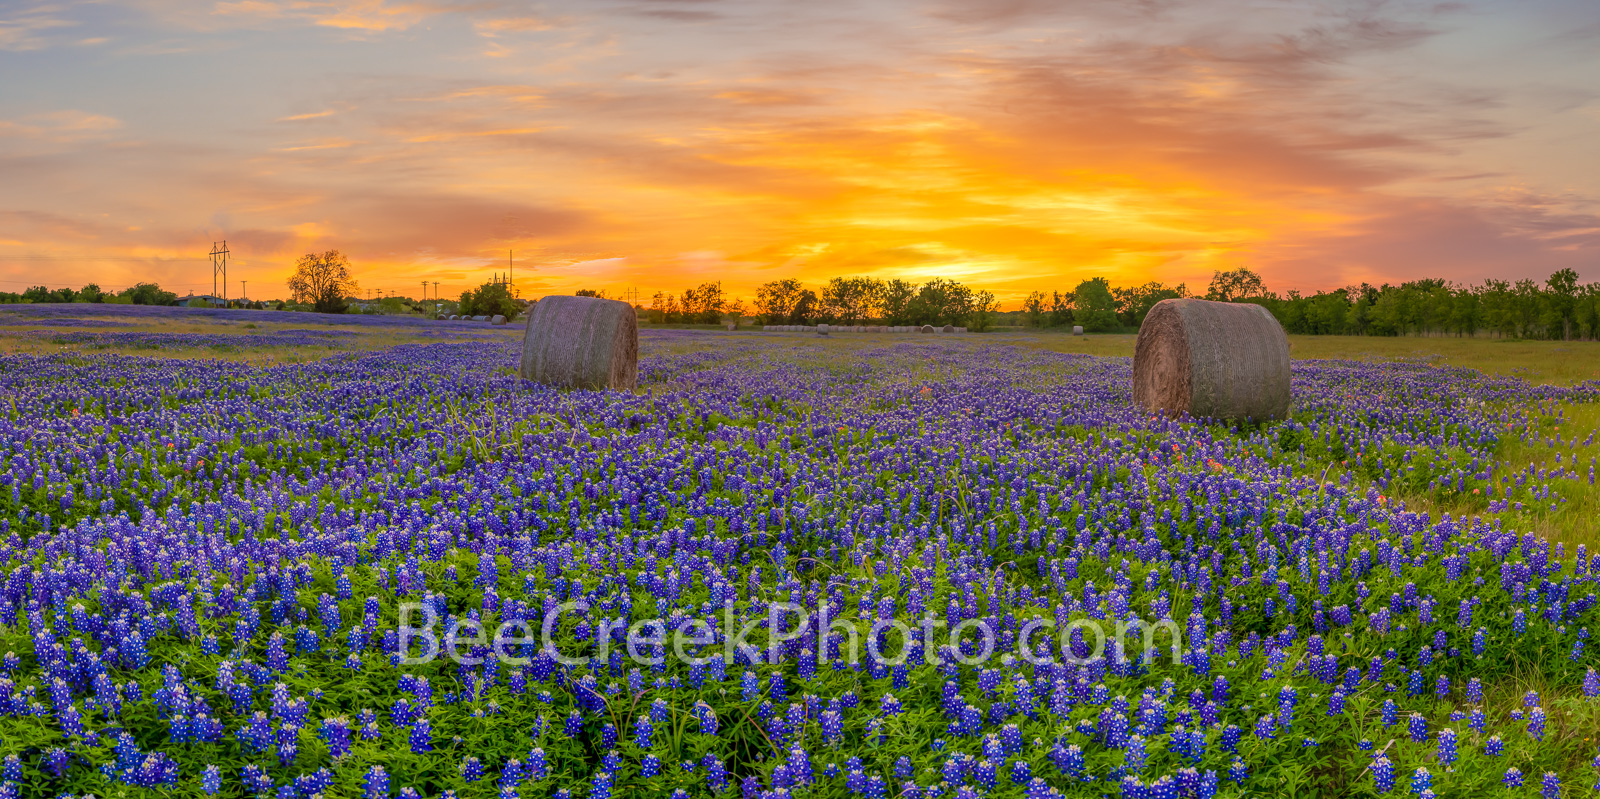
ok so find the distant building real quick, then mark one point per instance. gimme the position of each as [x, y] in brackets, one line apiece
[201, 301]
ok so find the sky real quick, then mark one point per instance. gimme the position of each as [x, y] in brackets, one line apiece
[653, 145]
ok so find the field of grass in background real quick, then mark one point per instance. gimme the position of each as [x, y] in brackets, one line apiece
[15, 336]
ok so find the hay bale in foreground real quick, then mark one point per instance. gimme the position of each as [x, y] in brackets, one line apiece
[1214, 359]
[581, 342]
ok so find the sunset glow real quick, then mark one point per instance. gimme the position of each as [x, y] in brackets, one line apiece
[656, 144]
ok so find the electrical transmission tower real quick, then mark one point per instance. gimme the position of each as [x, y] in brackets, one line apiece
[219, 268]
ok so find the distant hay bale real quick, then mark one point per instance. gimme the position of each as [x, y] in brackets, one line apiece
[1212, 359]
[731, 326]
[948, 329]
[497, 319]
[961, 330]
[927, 328]
[822, 330]
[581, 342]
[1077, 330]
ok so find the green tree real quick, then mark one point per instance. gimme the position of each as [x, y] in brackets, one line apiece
[1033, 310]
[1563, 300]
[1093, 305]
[703, 304]
[323, 281]
[147, 294]
[1135, 303]
[1234, 285]
[980, 316]
[851, 300]
[1060, 309]
[940, 302]
[895, 302]
[664, 308]
[776, 301]
[490, 299]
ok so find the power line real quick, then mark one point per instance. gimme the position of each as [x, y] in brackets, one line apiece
[156, 258]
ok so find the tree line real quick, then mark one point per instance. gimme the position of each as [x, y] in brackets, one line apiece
[139, 294]
[1557, 308]
[842, 300]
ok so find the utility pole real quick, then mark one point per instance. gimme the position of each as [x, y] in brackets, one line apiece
[435, 289]
[244, 289]
[511, 273]
[219, 268]
[424, 289]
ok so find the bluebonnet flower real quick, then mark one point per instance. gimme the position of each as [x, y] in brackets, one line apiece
[376, 784]
[643, 732]
[1550, 786]
[1421, 780]
[1383, 774]
[1417, 727]
[1447, 746]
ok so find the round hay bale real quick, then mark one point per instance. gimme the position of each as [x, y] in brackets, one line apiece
[927, 328]
[1077, 330]
[731, 326]
[948, 329]
[497, 319]
[961, 330]
[1221, 360]
[581, 342]
[822, 330]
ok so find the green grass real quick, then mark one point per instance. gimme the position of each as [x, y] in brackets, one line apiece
[366, 338]
[1554, 362]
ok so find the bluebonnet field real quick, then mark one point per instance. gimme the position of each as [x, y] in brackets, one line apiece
[205, 566]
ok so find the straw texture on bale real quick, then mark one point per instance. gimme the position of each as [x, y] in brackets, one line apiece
[581, 342]
[1221, 360]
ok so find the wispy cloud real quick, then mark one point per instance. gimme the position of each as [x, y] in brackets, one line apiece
[62, 127]
[28, 28]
